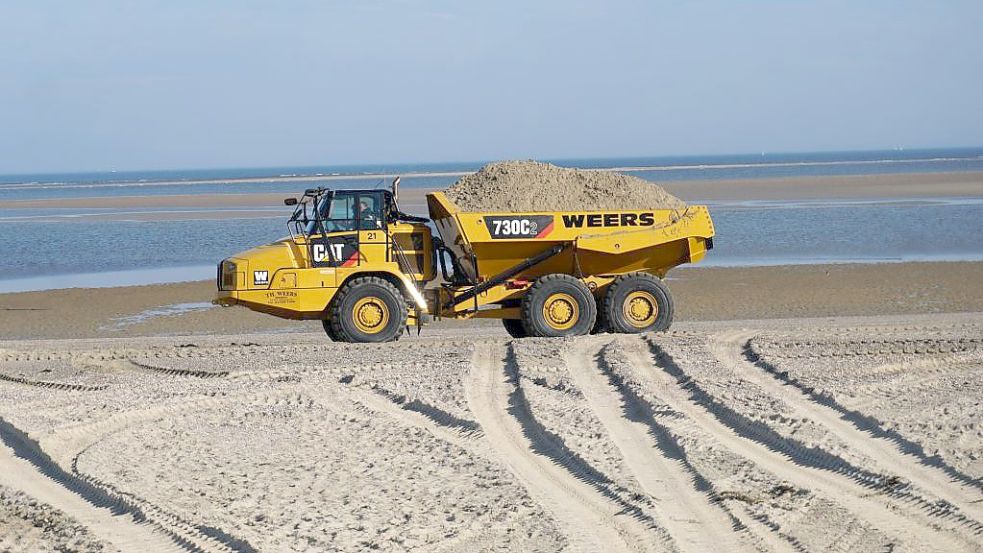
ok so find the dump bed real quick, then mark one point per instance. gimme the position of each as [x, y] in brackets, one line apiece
[606, 242]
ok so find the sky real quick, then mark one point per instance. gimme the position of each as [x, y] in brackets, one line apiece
[131, 85]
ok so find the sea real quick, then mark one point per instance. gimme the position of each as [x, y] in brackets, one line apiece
[94, 247]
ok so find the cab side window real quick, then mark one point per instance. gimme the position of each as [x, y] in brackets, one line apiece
[342, 208]
[354, 211]
[340, 216]
[369, 213]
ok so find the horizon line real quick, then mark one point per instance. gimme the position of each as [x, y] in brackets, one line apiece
[480, 162]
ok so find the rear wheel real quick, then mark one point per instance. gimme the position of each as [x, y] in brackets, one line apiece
[514, 328]
[599, 327]
[326, 323]
[558, 305]
[367, 309]
[638, 302]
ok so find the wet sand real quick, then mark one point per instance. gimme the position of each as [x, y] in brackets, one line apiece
[702, 294]
[863, 187]
[857, 187]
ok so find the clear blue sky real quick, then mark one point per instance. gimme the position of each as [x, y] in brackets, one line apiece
[174, 84]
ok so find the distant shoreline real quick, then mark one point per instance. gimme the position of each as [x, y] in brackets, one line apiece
[328, 177]
[237, 180]
[36, 216]
[841, 187]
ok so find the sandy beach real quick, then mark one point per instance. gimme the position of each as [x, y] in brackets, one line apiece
[702, 294]
[794, 434]
[785, 411]
[474, 277]
[790, 408]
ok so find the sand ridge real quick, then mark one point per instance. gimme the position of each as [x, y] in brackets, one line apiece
[32, 525]
[812, 435]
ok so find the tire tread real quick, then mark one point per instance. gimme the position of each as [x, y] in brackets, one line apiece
[609, 312]
[335, 315]
[589, 309]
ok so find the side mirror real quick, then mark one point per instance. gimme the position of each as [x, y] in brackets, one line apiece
[290, 201]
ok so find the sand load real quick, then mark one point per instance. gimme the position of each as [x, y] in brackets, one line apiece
[516, 186]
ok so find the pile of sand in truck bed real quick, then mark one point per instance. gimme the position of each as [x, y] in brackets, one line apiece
[532, 186]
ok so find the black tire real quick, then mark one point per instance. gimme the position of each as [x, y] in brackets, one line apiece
[599, 325]
[514, 328]
[381, 298]
[575, 298]
[326, 323]
[650, 292]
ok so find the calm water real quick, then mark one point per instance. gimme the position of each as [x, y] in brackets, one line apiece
[656, 169]
[771, 234]
[65, 252]
[821, 232]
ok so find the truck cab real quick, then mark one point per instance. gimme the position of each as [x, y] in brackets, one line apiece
[336, 237]
[352, 228]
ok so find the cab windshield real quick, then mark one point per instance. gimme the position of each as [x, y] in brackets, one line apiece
[347, 211]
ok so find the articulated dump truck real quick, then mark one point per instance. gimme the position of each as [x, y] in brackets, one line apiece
[368, 271]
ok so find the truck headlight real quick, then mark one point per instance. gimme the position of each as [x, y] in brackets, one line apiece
[228, 275]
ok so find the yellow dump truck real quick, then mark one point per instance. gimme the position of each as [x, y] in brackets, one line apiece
[368, 271]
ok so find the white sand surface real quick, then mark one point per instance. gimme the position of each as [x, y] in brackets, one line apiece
[834, 434]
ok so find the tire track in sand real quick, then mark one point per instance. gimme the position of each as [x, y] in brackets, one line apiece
[470, 539]
[730, 349]
[684, 395]
[694, 522]
[51, 385]
[590, 522]
[108, 520]
[62, 447]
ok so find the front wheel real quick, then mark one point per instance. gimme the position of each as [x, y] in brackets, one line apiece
[637, 302]
[514, 328]
[367, 309]
[558, 305]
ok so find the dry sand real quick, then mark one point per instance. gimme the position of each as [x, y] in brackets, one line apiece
[791, 434]
[532, 186]
[796, 435]
[31, 525]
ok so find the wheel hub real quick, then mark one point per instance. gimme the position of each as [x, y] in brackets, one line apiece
[641, 309]
[561, 311]
[370, 315]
